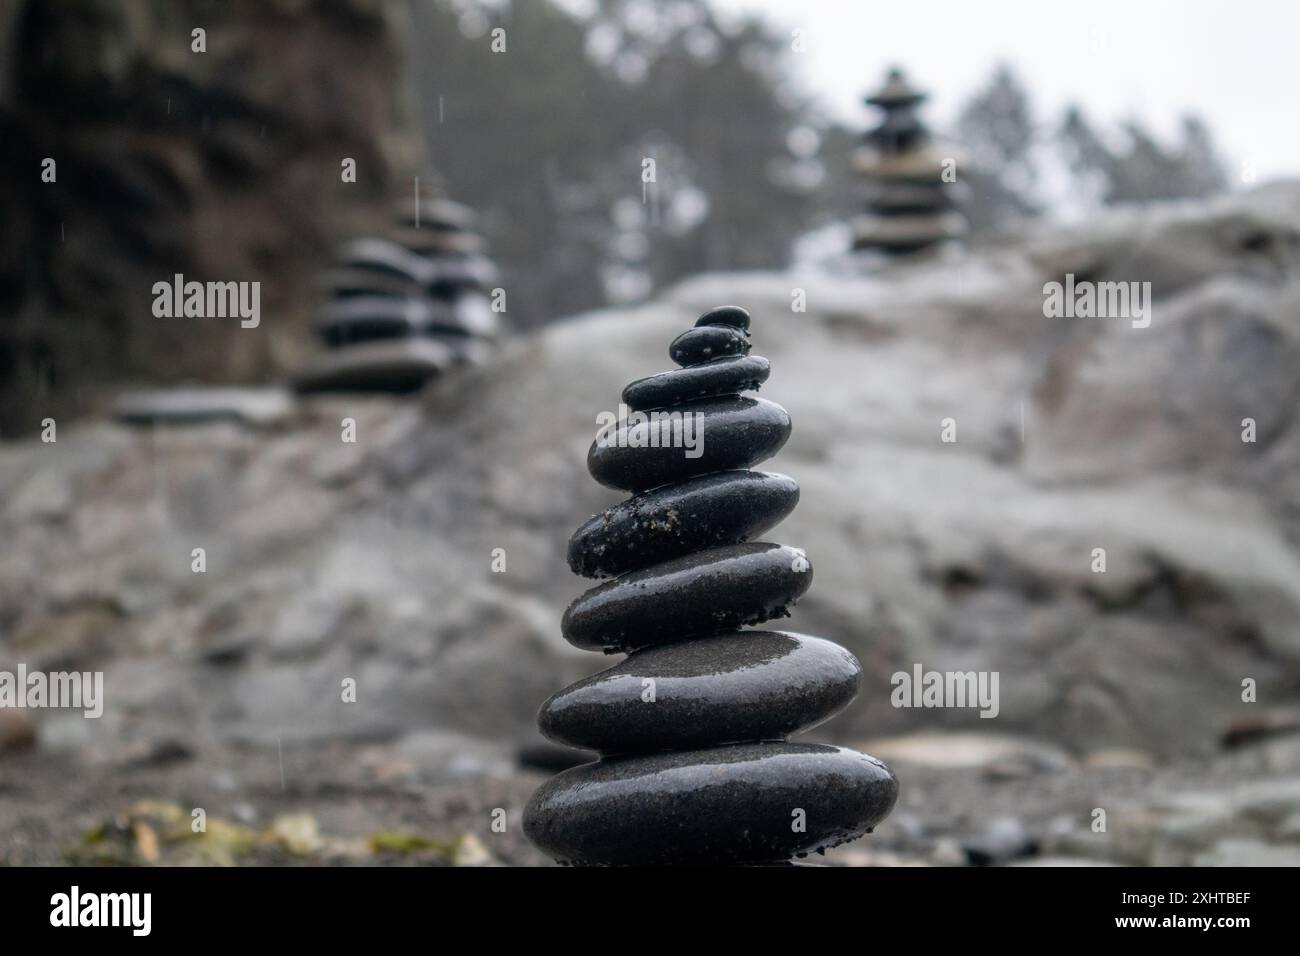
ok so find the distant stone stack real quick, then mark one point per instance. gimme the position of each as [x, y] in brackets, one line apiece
[909, 205]
[405, 308]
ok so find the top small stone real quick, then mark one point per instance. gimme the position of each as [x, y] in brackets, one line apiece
[896, 92]
[732, 315]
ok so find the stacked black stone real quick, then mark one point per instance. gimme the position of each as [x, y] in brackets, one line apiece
[403, 309]
[909, 204]
[691, 727]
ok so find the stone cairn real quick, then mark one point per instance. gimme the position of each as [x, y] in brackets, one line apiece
[692, 725]
[405, 308]
[909, 206]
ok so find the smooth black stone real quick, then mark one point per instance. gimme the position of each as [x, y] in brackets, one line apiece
[437, 214]
[729, 507]
[440, 275]
[900, 129]
[434, 241]
[390, 365]
[347, 282]
[384, 257]
[447, 276]
[708, 342]
[703, 593]
[746, 686]
[725, 376]
[736, 432]
[723, 805]
[367, 318]
[907, 198]
[732, 315]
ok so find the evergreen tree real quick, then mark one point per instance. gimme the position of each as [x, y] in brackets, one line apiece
[593, 97]
[996, 127]
[1202, 168]
[1141, 169]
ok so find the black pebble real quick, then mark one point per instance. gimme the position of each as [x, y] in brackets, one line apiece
[736, 432]
[732, 315]
[746, 686]
[707, 592]
[729, 507]
[724, 376]
[708, 342]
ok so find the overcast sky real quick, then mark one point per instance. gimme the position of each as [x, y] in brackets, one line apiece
[1237, 63]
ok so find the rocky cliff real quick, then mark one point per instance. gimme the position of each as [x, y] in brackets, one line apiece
[148, 139]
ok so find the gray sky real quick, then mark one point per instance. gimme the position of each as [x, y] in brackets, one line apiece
[1237, 64]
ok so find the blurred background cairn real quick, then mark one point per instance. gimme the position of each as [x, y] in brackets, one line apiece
[911, 185]
[408, 306]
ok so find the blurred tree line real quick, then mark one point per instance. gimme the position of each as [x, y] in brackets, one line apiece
[549, 132]
[612, 146]
[1013, 153]
[542, 115]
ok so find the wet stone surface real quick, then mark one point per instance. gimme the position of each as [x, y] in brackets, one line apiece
[722, 376]
[746, 686]
[723, 805]
[731, 315]
[729, 507]
[723, 433]
[703, 593]
[708, 342]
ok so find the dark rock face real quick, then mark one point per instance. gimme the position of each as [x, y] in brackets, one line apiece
[143, 196]
[692, 725]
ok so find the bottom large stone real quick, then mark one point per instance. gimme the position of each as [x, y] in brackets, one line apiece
[390, 365]
[743, 804]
